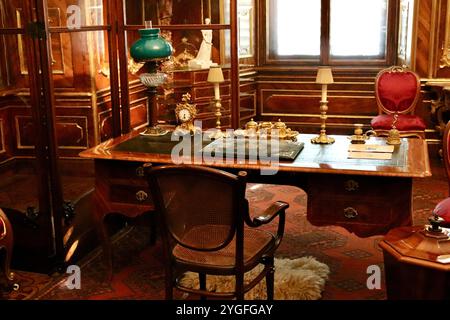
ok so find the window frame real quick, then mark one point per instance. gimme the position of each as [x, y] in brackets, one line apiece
[271, 58]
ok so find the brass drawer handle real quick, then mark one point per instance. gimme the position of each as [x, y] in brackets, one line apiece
[350, 213]
[141, 196]
[351, 185]
[140, 171]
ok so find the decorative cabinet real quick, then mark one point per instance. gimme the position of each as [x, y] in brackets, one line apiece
[202, 95]
[185, 28]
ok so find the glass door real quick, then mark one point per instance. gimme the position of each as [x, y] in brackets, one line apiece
[83, 74]
[59, 95]
[30, 188]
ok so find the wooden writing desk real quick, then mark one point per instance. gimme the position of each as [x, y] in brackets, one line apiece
[366, 197]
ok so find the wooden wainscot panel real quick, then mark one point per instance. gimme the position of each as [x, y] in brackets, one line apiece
[138, 113]
[72, 132]
[279, 102]
[25, 132]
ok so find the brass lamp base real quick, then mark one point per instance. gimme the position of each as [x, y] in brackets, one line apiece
[154, 131]
[322, 139]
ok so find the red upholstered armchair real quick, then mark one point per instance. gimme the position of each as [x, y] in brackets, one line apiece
[397, 91]
[6, 246]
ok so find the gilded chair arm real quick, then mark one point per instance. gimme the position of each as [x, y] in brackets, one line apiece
[277, 208]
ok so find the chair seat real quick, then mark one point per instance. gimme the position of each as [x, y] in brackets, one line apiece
[256, 243]
[406, 122]
[2, 229]
[443, 210]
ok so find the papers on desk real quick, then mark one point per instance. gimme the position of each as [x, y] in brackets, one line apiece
[370, 151]
[370, 148]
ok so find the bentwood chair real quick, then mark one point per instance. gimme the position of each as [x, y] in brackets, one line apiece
[206, 228]
[443, 208]
[397, 92]
[6, 246]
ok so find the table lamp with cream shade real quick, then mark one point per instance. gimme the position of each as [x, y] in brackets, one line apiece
[215, 76]
[324, 77]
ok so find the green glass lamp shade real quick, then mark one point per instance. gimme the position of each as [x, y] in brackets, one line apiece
[151, 46]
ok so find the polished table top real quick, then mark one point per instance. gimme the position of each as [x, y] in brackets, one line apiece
[410, 159]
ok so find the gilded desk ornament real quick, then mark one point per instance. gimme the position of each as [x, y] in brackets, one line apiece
[359, 137]
[394, 135]
[268, 129]
[185, 113]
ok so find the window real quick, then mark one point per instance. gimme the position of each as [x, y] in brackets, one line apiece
[304, 15]
[368, 39]
[330, 31]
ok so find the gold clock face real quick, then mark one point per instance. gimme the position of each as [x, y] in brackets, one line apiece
[184, 115]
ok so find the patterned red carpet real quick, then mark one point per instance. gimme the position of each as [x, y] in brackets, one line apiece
[138, 270]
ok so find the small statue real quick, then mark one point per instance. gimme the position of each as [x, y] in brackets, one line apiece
[203, 58]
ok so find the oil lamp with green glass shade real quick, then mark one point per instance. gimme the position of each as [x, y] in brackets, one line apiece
[152, 49]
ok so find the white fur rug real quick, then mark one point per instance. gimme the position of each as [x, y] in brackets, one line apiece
[297, 279]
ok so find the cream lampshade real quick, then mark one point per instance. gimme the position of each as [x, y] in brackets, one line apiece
[215, 76]
[324, 77]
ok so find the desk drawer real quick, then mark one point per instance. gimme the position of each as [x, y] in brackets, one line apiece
[130, 194]
[351, 210]
[124, 170]
[357, 186]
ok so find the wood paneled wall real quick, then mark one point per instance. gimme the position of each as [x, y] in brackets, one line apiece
[294, 97]
[292, 94]
[83, 97]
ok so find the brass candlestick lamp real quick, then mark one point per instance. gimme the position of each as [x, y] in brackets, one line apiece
[152, 49]
[215, 76]
[324, 77]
